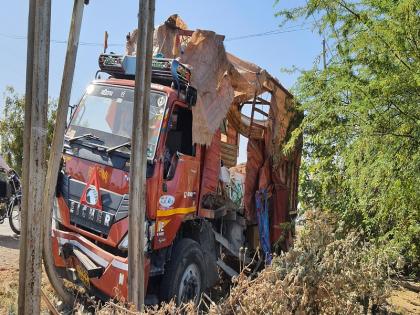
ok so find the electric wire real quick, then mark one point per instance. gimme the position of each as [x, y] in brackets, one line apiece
[56, 41]
[293, 28]
[290, 29]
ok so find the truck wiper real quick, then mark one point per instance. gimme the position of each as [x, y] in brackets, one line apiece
[126, 144]
[85, 136]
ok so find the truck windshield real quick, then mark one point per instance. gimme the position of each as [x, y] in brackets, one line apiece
[107, 112]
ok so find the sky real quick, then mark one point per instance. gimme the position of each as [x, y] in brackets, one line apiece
[236, 19]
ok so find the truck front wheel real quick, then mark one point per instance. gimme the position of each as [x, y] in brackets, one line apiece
[184, 277]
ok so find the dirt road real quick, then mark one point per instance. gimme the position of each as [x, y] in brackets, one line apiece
[9, 269]
[9, 248]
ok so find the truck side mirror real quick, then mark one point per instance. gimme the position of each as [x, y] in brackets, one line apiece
[191, 95]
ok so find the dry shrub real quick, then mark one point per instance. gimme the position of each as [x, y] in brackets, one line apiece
[325, 273]
[164, 309]
[8, 290]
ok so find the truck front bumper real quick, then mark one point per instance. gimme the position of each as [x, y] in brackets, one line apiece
[94, 267]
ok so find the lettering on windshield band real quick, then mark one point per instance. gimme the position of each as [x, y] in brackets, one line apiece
[106, 92]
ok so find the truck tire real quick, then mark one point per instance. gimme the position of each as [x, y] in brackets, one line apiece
[184, 277]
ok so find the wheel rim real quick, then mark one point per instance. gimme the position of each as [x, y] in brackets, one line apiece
[16, 216]
[189, 289]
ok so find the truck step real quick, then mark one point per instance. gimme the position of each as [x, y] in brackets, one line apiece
[231, 272]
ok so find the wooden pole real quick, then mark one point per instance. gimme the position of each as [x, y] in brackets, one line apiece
[56, 148]
[25, 164]
[324, 54]
[139, 140]
[39, 47]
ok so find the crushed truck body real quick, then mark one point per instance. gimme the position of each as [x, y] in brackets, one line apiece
[204, 211]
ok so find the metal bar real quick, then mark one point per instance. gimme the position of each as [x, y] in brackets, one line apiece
[252, 115]
[35, 157]
[261, 112]
[230, 271]
[263, 101]
[56, 148]
[137, 199]
[25, 164]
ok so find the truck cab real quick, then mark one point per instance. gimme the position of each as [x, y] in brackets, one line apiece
[192, 220]
[90, 232]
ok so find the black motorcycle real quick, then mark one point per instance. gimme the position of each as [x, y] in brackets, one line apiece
[10, 199]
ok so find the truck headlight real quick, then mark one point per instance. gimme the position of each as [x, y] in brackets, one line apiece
[149, 231]
[124, 243]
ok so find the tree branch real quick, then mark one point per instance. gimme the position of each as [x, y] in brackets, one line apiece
[344, 5]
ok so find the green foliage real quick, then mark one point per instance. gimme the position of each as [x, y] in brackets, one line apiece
[12, 125]
[362, 118]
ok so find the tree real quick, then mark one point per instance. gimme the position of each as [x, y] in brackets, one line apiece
[362, 119]
[12, 125]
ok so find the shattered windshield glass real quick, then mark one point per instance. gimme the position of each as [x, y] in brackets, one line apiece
[107, 111]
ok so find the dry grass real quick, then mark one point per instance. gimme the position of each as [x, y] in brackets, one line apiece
[8, 291]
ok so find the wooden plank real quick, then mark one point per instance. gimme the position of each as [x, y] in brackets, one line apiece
[56, 148]
[252, 115]
[263, 101]
[137, 198]
[50, 306]
[261, 112]
[35, 157]
[25, 164]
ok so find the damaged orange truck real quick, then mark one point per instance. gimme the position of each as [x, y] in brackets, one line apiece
[204, 212]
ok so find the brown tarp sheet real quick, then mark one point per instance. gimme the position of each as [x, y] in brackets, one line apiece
[223, 81]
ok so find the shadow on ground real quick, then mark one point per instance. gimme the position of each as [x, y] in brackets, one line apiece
[9, 241]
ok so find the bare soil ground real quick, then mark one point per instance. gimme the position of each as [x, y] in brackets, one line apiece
[9, 269]
[405, 299]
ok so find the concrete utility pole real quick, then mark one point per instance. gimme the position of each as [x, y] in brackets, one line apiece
[138, 161]
[36, 107]
[56, 147]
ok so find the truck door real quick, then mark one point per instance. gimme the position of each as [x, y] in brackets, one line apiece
[181, 174]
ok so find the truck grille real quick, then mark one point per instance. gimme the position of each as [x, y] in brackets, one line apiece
[114, 207]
